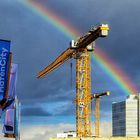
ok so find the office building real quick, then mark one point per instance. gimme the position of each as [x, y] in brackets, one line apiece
[125, 117]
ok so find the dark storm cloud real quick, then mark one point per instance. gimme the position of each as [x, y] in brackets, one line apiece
[66, 110]
[36, 43]
[34, 112]
[31, 45]
[57, 108]
[123, 18]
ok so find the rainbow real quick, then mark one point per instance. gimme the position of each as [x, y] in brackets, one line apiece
[52, 18]
[116, 74]
[120, 78]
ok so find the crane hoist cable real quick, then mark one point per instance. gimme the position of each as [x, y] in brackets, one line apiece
[71, 76]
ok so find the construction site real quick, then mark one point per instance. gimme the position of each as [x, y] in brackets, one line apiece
[80, 51]
[57, 82]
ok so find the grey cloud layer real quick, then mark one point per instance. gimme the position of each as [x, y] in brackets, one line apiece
[36, 43]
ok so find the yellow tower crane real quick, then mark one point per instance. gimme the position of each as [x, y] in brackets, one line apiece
[80, 51]
[97, 97]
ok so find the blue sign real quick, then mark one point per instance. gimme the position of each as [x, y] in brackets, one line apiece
[4, 62]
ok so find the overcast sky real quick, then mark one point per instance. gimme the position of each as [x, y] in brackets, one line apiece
[36, 43]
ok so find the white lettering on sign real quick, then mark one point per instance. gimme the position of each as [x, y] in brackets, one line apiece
[3, 56]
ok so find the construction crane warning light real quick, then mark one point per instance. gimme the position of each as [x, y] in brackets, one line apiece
[108, 93]
[96, 95]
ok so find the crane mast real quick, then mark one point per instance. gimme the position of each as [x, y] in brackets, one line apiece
[83, 90]
[80, 51]
[97, 117]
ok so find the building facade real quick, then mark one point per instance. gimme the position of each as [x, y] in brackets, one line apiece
[125, 117]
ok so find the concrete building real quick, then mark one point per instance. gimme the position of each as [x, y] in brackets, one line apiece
[125, 117]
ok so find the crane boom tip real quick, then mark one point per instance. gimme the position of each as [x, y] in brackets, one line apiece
[38, 76]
